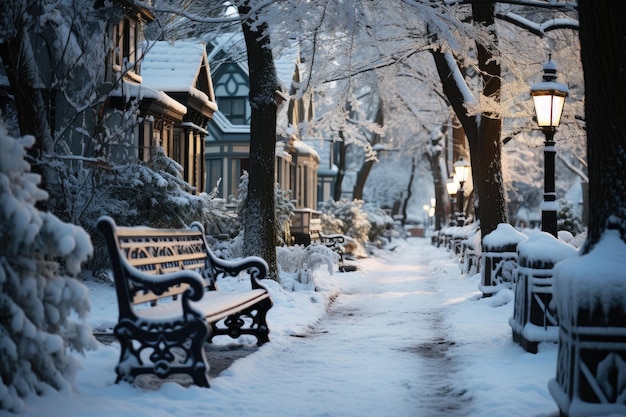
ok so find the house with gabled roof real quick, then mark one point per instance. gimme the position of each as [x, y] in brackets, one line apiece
[169, 89]
[181, 70]
[110, 97]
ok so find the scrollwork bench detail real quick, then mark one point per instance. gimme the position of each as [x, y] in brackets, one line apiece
[335, 242]
[169, 302]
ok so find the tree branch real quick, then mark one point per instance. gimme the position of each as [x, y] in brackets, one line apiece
[539, 29]
[530, 3]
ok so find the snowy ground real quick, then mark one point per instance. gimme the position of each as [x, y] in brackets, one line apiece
[407, 336]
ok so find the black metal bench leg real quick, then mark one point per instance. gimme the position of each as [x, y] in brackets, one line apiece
[260, 322]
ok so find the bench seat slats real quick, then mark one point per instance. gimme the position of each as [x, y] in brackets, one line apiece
[214, 305]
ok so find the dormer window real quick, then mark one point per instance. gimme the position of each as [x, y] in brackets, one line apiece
[231, 94]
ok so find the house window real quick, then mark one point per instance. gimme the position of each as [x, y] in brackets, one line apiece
[125, 38]
[231, 92]
[234, 108]
[238, 166]
[214, 173]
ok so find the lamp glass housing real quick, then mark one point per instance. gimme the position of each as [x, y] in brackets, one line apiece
[452, 185]
[549, 97]
[461, 170]
[548, 107]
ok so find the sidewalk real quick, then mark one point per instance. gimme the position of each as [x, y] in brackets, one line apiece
[407, 336]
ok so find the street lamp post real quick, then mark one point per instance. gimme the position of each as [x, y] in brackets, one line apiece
[461, 173]
[549, 98]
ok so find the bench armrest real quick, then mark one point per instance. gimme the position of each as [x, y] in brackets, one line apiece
[334, 241]
[253, 265]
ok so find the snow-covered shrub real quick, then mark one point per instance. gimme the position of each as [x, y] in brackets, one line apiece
[298, 262]
[382, 223]
[151, 193]
[331, 224]
[42, 307]
[222, 215]
[568, 218]
[353, 220]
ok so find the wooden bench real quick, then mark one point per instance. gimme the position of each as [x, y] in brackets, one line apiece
[169, 302]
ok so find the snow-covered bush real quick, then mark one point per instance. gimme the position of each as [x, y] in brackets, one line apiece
[42, 307]
[569, 218]
[223, 219]
[297, 263]
[382, 223]
[151, 193]
[352, 218]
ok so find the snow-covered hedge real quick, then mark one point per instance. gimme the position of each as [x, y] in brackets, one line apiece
[42, 308]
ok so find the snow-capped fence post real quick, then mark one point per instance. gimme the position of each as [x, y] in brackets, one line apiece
[458, 235]
[471, 254]
[499, 259]
[590, 295]
[446, 237]
[533, 321]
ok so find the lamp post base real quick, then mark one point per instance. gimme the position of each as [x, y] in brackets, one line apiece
[549, 219]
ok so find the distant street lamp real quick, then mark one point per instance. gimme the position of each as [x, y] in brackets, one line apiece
[461, 173]
[452, 186]
[549, 98]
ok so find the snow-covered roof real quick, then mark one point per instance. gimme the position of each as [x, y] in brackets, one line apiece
[130, 90]
[303, 149]
[176, 68]
[172, 67]
[286, 64]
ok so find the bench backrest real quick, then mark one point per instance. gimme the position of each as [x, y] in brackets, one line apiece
[156, 252]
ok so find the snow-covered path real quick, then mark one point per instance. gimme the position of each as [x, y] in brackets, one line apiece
[380, 351]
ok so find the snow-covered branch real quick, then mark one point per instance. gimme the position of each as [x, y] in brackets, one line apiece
[573, 168]
[258, 6]
[539, 29]
[546, 4]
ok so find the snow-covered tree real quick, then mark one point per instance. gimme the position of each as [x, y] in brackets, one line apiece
[260, 220]
[42, 305]
[569, 218]
[45, 47]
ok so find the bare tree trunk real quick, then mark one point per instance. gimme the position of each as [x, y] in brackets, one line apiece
[440, 176]
[487, 161]
[341, 167]
[409, 191]
[364, 172]
[483, 133]
[260, 218]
